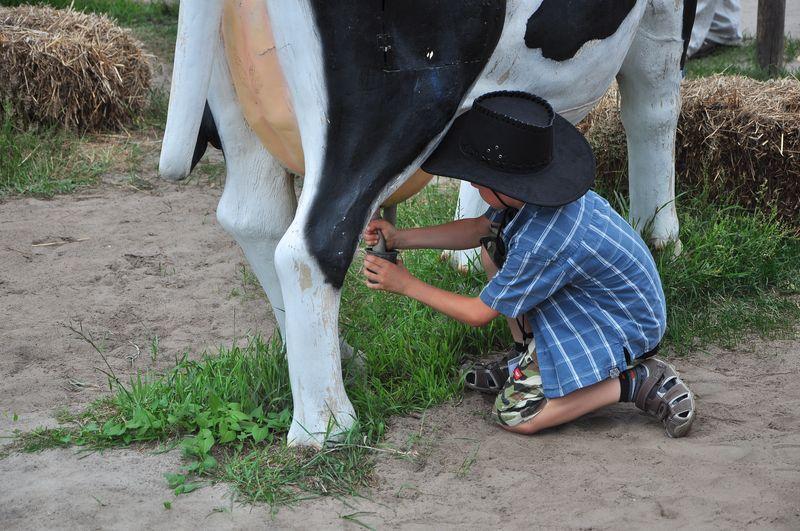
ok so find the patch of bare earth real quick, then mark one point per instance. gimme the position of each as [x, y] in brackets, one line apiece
[132, 264]
[130, 267]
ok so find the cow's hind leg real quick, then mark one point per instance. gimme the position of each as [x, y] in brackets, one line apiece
[368, 116]
[256, 208]
[258, 202]
[649, 83]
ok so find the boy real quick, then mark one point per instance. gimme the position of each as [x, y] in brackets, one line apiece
[568, 267]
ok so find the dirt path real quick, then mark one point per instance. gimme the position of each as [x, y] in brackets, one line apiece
[130, 266]
[156, 263]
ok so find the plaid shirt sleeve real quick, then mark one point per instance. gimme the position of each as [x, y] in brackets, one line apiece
[493, 214]
[524, 281]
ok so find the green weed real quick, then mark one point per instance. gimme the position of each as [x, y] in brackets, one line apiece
[250, 286]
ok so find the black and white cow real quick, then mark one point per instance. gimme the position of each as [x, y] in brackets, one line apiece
[373, 86]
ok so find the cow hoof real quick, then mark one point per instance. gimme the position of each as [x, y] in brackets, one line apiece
[666, 245]
[462, 261]
[320, 435]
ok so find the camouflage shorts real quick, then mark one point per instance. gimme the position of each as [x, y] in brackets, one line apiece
[522, 397]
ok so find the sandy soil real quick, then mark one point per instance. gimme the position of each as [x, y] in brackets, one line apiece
[146, 263]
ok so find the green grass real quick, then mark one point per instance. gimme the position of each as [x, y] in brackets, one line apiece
[733, 278]
[230, 411]
[739, 60]
[45, 162]
[736, 276]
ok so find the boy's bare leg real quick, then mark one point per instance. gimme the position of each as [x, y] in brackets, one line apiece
[560, 410]
[491, 270]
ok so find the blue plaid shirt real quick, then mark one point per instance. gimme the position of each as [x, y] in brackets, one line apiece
[588, 285]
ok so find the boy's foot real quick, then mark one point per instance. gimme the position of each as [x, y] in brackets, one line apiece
[489, 377]
[664, 395]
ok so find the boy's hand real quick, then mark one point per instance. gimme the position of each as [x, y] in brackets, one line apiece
[388, 230]
[384, 275]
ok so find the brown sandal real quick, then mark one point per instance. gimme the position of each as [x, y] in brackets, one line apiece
[664, 395]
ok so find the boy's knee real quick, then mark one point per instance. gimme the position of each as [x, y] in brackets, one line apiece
[525, 428]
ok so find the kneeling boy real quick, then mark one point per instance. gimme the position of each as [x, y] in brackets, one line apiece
[568, 266]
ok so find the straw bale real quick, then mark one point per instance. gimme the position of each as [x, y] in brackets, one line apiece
[77, 70]
[738, 139]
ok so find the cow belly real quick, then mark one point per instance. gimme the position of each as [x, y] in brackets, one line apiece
[258, 80]
[262, 91]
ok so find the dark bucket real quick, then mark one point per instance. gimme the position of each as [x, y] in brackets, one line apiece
[386, 255]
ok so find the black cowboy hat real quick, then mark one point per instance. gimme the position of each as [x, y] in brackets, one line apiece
[515, 144]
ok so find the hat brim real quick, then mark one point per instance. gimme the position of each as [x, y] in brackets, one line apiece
[569, 175]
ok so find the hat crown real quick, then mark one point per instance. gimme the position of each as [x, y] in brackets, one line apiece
[515, 144]
[510, 131]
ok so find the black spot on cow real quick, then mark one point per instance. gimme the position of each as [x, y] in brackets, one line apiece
[560, 27]
[396, 72]
[207, 134]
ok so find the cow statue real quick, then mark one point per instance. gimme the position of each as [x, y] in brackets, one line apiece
[355, 94]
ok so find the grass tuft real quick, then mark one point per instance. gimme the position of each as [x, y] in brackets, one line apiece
[740, 60]
[44, 162]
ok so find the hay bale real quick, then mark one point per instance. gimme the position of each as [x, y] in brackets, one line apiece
[738, 139]
[77, 70]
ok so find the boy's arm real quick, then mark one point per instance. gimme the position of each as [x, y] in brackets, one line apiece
[456, 235]
[387, 276]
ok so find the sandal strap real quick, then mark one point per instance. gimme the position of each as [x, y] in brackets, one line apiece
[678, 389]
[487, 377]
[654, 378]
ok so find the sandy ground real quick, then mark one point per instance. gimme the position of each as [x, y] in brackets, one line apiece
[157, 263]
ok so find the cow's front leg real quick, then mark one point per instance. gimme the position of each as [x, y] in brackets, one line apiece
[649, 83]
[321, 407]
